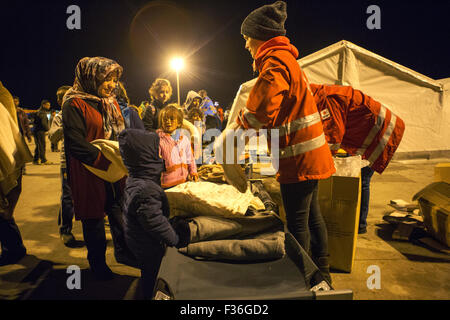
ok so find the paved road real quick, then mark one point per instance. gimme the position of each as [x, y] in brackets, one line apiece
[408, 271]
[36, 216]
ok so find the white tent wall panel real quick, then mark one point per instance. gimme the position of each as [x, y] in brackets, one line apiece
[324, 69]
[421, 102]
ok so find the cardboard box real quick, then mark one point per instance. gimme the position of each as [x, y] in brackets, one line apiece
[434, 202]
[339, 199]
[442, 172]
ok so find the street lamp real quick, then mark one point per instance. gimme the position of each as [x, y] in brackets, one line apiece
[177, 64]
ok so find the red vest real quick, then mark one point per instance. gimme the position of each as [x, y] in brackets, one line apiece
[358, 124]
[88, 191]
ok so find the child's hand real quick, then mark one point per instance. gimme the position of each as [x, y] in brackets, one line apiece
[193, 177]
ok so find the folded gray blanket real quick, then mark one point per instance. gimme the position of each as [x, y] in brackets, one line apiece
[259, 237]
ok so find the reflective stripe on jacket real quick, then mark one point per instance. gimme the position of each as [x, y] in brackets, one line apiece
[281, 99]
[358, 124]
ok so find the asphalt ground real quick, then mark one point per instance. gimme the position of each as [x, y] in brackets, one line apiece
[408, 270]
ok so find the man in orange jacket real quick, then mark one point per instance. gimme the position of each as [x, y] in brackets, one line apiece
[282, 100]
[360, 125]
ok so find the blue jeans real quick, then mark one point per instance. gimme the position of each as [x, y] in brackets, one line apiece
[304, 219]
[65, 214]
[366, 175]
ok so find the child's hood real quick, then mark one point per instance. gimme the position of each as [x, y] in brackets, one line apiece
[140, 153]
[190, 97]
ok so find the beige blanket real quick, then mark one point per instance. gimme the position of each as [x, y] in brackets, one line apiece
[210, 199]
[14, 152]
[111, 151]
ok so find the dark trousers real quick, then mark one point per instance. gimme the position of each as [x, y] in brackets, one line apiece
[304, 219]
[94, 231]
[149, 272]
[148, 257]
[39, 152]
[65, 214]
[114, 211]
[95, 240]
[10, 237]
[366, 176]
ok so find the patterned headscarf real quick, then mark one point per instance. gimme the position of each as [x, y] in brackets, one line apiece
[90, 73]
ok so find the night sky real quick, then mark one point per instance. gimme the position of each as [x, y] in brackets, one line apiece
[39, 53]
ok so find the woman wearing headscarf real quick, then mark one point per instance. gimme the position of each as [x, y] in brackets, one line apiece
[90, 112]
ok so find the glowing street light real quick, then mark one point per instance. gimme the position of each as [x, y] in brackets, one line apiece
[177, 64]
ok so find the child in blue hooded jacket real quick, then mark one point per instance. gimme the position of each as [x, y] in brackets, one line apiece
[146, 208]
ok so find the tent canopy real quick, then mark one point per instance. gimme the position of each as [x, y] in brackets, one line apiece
[422, 103]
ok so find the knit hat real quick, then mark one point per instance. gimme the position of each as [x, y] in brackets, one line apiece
[265, 22]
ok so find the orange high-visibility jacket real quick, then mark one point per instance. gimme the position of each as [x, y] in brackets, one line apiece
[281, 99]
[358, 124]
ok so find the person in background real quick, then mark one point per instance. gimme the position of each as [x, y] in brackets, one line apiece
[130, 114]
[160, 93]
[206, 104]
[146, 208]
[54, 145]
[65, 212]
[90, 112]
[281, 96]
[220, 114]
[22, 118]
[24, 124]
[40, 127]
[175, 149]
[195, 116]
[14, 153]
[226, 114]
[209, 109]
[193, 101]
[141, 108]
[360, 125]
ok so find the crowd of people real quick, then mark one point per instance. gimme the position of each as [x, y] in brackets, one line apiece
[97, 106]
[159, 155]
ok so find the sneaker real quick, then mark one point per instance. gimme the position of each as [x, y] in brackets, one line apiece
[323, 286]
[48, 163]
[38, 162]
[68, 239]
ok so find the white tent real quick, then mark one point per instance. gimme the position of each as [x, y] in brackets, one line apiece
[422, 103]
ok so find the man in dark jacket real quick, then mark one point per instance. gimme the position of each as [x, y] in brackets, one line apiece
[40, 127]
[146, 208]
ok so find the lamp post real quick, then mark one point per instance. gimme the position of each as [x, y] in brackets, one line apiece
[177, 64]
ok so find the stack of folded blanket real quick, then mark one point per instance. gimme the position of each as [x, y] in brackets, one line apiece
[245, 238]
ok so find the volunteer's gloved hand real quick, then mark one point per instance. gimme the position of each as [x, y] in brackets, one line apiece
[181, 227]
